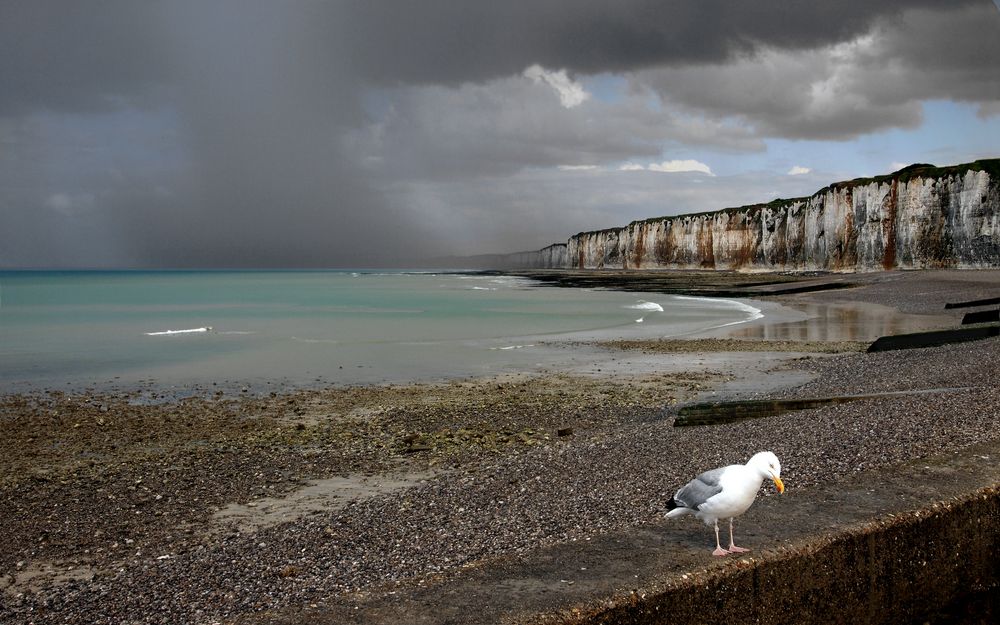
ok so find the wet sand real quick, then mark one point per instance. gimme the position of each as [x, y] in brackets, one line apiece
[307, 505]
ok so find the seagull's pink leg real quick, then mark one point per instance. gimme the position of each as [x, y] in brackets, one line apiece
[719, 551]
[732, 546]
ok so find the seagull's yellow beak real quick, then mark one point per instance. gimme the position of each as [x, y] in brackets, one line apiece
[778, 483]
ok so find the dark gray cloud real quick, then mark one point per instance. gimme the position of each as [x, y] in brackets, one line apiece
[874, 81]
[444, 42]
[356, 131]
[254, 174]
[78, 57]
[263, 119]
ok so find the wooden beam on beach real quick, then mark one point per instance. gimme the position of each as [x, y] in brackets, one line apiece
[719, 412]
[973, 303]
[932, 339]
[716, 413]
[981, 316]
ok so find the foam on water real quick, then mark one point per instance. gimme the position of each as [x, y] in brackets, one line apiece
[173, 332]
[644, 305]
[752, 312]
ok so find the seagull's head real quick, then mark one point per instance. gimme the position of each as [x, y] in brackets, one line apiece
[769, 466]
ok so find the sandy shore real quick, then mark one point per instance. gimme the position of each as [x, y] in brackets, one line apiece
[120, 509]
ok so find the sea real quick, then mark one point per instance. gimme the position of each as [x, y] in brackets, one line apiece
[102, 330]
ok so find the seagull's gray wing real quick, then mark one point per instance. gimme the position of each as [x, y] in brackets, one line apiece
[700, 489]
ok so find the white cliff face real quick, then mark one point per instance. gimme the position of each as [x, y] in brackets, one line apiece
[925, 218]
[553, 256]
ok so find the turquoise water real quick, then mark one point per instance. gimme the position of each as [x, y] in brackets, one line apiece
[302, 328]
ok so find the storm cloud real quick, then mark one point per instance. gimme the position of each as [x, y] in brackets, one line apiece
[363, 133]
[874, 81]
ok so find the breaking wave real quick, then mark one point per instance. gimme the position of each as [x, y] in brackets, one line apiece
[650, 306]
[171, 332]
[752, 313]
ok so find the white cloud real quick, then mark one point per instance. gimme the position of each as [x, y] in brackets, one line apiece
[578, 167]
[896, 166]
[681, 165]
[798, 170]
[570, 93]
[669, 167]
[502, 126]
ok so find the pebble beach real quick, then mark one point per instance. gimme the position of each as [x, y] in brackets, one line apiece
[119, 508]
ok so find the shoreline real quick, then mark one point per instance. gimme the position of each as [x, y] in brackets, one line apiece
[779, 320]
[213, 359]
[459, 476]
[162, 374]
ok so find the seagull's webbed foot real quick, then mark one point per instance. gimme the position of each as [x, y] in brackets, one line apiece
[719, 551]
[732, 543]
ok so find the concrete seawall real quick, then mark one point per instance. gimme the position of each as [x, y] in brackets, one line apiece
[904, 569]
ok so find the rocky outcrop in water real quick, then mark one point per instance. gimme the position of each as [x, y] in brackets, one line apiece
[918, 217]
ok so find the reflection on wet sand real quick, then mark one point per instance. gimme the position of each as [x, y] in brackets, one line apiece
[846, 321]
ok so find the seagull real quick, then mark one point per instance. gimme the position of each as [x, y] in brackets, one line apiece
[725, 493]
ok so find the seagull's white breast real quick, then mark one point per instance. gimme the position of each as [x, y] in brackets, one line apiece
[739, 489]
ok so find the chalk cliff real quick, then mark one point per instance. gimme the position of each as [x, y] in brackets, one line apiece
[920, 216]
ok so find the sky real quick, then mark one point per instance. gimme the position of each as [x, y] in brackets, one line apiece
[361, 133]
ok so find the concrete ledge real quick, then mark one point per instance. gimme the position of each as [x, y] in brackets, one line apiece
[897, 570]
